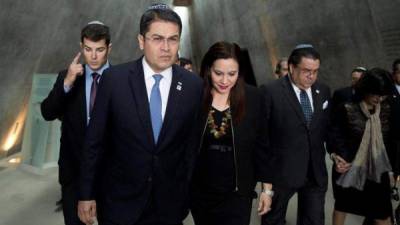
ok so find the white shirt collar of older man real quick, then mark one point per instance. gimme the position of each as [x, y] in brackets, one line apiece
[297, 90]
[398, 88]
[165, 83]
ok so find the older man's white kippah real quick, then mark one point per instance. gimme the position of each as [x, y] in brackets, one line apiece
[361, 68]
[303, 46]
[96, 22]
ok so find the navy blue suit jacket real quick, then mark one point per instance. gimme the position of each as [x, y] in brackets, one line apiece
[137, 169]
[70, 109]
[293, 147]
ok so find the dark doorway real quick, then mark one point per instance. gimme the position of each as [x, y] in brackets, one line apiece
[247, 68]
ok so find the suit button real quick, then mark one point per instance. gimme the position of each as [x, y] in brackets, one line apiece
[150, 179]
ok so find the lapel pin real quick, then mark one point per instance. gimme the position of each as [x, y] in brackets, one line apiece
[179, 86]
[317, 91]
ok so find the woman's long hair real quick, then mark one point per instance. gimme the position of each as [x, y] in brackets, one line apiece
[224, 50]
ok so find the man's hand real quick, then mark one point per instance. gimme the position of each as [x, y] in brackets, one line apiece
[74, 69]
[341, 166]
[264, 205]
[87, 211]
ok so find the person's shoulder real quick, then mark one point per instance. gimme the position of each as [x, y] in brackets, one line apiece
[187, 75]
[62, 73]
[322, 87]
[342, 90]
[123, 66]
[272, 85]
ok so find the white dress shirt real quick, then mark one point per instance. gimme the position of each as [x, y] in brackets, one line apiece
[297, 90]
[398, 88]
[165, 84]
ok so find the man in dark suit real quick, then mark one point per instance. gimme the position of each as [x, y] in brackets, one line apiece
[297, 116]
[347, 94]
[71, 100]
[147, 111]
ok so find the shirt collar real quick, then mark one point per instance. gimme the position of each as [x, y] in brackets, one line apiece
[297, 89]
[149, 72]
[100, 71]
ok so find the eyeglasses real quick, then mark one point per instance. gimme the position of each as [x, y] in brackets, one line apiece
[157, 40]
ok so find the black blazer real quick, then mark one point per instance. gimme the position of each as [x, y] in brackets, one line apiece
[291, 143]
[394, 101]
[70, 108]
[137, 169]
[250, 142]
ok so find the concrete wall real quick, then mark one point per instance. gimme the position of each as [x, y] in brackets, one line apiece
[42, 36]
[346, 33]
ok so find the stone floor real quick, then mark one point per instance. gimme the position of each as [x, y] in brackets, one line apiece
[29, 198]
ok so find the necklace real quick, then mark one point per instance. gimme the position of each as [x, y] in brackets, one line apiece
[214, 129]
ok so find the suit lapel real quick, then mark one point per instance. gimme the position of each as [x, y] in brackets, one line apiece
[292, 98]
[138, 88]
[174, 97]
[80, 85]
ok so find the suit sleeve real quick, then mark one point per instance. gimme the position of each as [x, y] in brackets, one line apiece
[53, 106]
[336, 141]
[193, 142]
[262, 153]
[95, 145]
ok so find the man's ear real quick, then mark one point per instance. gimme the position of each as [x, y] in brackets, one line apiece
[109, 48]
[141, 41]
[291, 68]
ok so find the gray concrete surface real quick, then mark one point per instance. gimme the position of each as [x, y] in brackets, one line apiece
[347, 33]
[42, 36]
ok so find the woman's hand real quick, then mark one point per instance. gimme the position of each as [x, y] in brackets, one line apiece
[341, 166]
[264, 205]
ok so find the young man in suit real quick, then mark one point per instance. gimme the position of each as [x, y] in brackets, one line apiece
[147, 111]
[297, 117]
[71, 101]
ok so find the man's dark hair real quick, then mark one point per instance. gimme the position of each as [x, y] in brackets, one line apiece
[184, 61]
[96, 32]
[297, 54]
[395, 66]
[159, 12]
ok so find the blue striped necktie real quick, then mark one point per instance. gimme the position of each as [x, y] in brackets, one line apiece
[155, 107]
[306, 106]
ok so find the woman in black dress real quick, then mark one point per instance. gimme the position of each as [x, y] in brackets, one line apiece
[233, 131]
[359, 139]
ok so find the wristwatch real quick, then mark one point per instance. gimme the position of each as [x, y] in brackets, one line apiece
[268, 192]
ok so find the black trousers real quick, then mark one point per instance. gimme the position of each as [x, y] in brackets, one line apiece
[105, 222]
[148, 217]
[310, 209]
[69, 194]
[229, 210]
